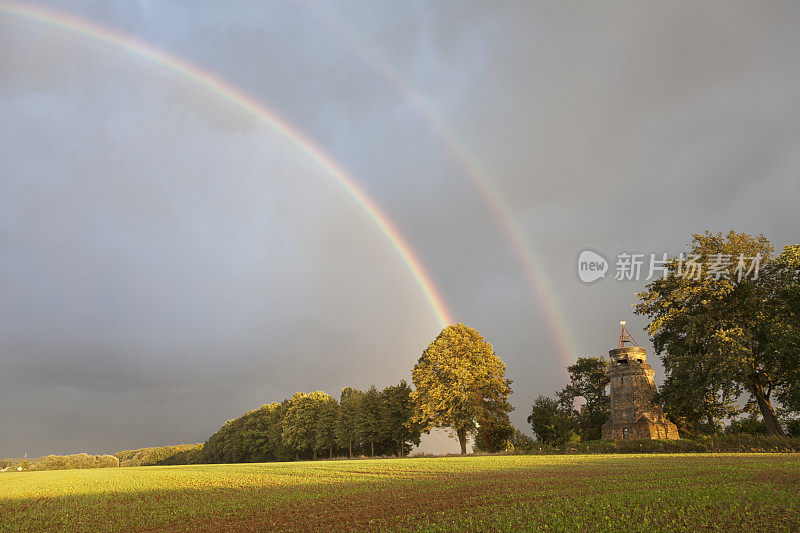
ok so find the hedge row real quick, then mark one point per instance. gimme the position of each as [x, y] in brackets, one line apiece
[711, 444]
[70, 462]
[181, 454]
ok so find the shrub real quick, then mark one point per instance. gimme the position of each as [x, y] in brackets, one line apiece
[739, 442]
[75, 461]
[744, 442]
[519, 442]
[596, 446]
[659, 446]
[733, 443]
[188, 456]
[180, 454]
[750, 425]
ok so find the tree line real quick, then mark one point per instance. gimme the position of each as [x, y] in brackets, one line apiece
[459, 383]
[308, 426]
[178, 454]
[60, 462]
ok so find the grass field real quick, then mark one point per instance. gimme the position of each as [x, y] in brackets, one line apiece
[508, 493]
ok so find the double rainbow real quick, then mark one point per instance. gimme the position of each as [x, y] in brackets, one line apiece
[527, 256]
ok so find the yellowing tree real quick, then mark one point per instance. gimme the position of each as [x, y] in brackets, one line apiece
[459, 380]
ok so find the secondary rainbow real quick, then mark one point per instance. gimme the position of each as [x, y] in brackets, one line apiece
[531, 263]
[249, 105]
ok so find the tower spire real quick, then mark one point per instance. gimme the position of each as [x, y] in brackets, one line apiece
[625, 336]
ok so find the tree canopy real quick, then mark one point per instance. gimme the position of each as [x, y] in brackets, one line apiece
[347, 423]
[551, 422]
[399, 409]
[588, 380]
[371, 425]
[300, 420]
[722, 334]
[459, 380]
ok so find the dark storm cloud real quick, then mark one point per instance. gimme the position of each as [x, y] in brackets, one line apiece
[168, 263]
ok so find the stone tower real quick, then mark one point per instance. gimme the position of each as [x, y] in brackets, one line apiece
[632, 389]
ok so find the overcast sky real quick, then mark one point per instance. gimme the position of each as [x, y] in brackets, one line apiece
[168, 262]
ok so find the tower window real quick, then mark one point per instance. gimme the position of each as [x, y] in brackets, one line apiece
[625, 433]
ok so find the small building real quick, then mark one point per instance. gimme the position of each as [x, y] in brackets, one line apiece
[633, 415]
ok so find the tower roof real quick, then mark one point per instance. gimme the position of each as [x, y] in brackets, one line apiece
[625, 336]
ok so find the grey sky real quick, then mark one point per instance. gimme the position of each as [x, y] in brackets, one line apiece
[167, 262]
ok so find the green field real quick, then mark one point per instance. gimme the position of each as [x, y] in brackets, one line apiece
[508, 493]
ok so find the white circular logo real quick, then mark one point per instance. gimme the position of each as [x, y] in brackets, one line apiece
[591, 266]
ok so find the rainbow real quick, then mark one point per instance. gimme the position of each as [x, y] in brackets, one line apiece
[215, 85]
[530, 261]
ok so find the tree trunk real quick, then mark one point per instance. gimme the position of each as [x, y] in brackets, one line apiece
[462, 439]
[767, 411]
[372, 448]
[350, 448]
[331, 451]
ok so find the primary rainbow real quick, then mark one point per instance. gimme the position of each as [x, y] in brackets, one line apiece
[529, 259]
[249, 105]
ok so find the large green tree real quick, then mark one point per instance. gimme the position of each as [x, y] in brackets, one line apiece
[399, 408]
[325, 427]
[371, 421]
[698, 393]
[347, 422]
[255, 439]
[588, 381]
[720, 327]
[300, 422]
[459, 380]
[786, 309]
[552, 422]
